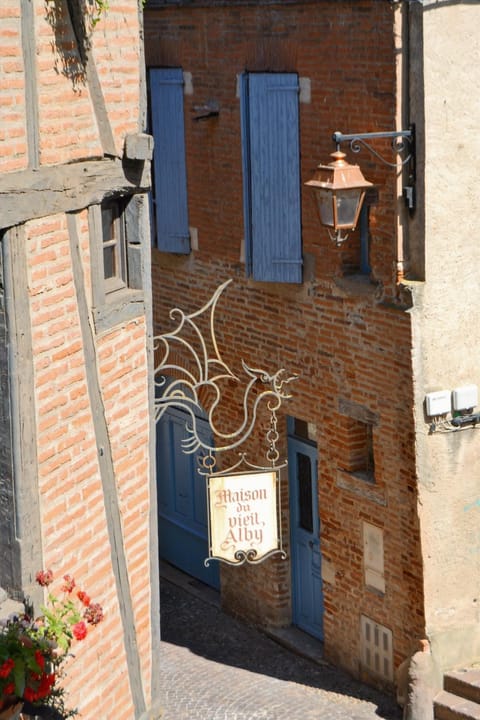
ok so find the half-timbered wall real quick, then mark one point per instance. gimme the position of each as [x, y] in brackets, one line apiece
[75, 335]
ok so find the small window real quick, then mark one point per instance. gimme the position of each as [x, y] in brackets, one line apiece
[305, 493]
[115, 269]
[301, 429]
[357, 448]
[118, 230]
[362, 448]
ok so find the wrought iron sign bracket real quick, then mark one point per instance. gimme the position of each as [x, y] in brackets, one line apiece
[181, 386]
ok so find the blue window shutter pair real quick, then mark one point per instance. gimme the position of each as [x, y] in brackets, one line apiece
[271, 172]
[169, 165]
[271, 169]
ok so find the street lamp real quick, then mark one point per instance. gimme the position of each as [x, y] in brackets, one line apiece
[340, 187]
[339, 191]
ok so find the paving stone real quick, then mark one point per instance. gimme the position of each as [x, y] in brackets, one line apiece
[217, 668]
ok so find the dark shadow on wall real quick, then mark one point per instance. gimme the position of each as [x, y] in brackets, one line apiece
[72, 24]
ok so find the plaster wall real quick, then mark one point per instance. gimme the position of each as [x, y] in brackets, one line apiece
[445, 328]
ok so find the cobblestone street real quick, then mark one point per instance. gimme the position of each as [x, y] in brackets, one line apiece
[217, 668]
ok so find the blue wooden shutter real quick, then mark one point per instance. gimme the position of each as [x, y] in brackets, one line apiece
[169, 167]
[270, 126]
[247, 189]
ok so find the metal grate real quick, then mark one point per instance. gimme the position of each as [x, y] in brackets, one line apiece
[376, 643]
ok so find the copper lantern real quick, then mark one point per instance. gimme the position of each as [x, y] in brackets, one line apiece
[339, 191]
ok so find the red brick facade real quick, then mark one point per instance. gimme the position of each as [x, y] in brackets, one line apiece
[347, 336]
[12, 134]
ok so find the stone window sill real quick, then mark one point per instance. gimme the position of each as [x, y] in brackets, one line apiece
[119, 307]
[356, 484]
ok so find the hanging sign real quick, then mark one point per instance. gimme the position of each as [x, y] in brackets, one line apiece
[243, 517]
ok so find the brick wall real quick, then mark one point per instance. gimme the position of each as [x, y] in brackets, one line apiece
[72, 499]
[68, 126]
[13, 146]
[84, 464]
[124, 381]
[348, 338]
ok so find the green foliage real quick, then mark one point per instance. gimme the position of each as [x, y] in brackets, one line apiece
[58, 621]
[101, 6]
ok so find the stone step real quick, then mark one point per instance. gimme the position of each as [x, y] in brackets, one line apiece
[465, 683]
[452, 707]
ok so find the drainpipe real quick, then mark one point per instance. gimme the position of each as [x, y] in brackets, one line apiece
[402, 120]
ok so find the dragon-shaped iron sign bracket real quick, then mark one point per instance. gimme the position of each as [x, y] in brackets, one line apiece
[244, 499]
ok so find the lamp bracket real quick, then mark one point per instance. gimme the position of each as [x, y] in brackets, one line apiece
[338, 237]
[403, 141]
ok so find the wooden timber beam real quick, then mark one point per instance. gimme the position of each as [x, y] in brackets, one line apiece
[36, 193]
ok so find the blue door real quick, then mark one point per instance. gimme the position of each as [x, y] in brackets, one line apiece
[182, 500]
[307, 596]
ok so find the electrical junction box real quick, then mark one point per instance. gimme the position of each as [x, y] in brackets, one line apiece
[438, 403]
[465, 397]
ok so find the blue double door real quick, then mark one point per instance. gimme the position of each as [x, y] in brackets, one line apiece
[307, 596]
[182, 500]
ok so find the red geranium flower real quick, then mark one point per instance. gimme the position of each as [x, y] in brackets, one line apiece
[39, 659]
[9, 689]
[29, 694]
[93, 614]
[79, 630]
[44, 577]
[83, 597]
[69, 583]
[7, 668]
[45, 686]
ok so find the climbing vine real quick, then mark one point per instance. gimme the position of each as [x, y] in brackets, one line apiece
[92, 10]
[79, 17]
[101, 6]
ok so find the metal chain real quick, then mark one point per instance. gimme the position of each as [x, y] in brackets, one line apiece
[207, 461]
[272, 439]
